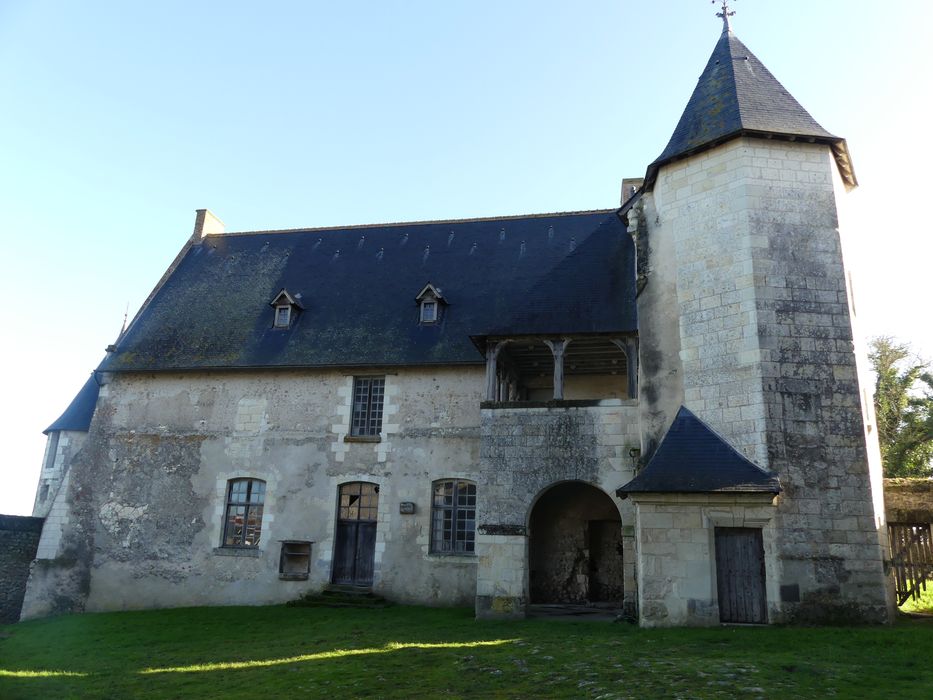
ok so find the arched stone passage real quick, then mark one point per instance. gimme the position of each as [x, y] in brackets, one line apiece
[575, 546]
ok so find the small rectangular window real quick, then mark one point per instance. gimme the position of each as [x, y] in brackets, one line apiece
[51, 450]
[368, 394]
[428, 311]
[283, 316]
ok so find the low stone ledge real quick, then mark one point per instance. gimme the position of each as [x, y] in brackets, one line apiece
[516, 530]
[237, 552]
[554, 403]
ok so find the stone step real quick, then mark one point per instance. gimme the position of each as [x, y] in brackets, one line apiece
[332, 597]
[339, 589]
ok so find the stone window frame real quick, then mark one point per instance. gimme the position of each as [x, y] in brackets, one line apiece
[445, 534]
[249, 503]
[51, 450]
[367, 411]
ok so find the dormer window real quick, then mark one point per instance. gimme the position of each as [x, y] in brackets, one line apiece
[286, 308]
[283, 316]
[428, 311]
[430, 300]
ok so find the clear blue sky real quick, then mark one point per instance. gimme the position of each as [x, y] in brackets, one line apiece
[120, 119]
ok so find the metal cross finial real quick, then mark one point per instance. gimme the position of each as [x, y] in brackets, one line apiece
[725, 14]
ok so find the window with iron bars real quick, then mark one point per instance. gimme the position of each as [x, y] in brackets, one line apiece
[243, 520]
[453, 517]
[368, 395]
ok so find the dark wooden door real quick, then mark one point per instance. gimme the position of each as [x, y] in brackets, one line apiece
[355, 545]
[740, 575]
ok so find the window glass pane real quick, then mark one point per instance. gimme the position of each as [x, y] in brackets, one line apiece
[257, 492]
[238, 490]
[243, 517]
[236, 517]
[428, 311]
[282, 315]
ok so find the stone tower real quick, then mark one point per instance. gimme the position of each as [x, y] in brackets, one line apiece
[745, 319]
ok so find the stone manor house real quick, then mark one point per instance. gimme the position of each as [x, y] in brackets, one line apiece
[656, 407]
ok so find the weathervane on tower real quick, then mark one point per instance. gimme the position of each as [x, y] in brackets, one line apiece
[725, 14]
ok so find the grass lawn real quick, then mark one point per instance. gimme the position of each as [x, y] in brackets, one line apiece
[403, 652]
[923, 605]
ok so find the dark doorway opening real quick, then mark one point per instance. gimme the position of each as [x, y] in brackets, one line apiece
[355, 542]
[575, 547]
[740, 575]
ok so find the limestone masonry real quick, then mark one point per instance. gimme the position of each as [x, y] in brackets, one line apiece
[656, 408]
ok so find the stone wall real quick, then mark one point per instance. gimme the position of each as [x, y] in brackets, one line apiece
[676, 554]
[526, 449]
[767, 354]
[143, 505]
[908, 500]
[19, 537]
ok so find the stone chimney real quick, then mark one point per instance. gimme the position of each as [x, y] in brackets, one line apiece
[631, 185]
[205, 223]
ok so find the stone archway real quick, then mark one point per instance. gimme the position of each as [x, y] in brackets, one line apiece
[575, 546]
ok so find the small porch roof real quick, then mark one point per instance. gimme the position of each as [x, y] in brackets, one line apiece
[694, 458]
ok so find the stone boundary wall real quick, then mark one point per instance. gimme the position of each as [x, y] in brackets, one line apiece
[19, 539]
[908, 500]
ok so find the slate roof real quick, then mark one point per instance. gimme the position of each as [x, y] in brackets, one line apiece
[737, 95]
[694, 458]
[551, 273]
[79, 412]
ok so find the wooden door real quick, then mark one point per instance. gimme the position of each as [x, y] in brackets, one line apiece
[740, 575]
[355, 545]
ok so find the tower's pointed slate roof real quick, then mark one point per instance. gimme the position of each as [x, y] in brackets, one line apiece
[738, 96]
[80, 411]
[694, 458]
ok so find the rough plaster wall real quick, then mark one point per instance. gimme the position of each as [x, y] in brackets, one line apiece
[676, 555]
[561, 556]
[523, 452]
[19, 537]
[147, 492]
[766, 343]
[660, 386]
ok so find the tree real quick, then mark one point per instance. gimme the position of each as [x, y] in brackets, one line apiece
[903, 408]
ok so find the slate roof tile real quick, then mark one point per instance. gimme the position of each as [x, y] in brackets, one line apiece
[737, 95]
[553, 273]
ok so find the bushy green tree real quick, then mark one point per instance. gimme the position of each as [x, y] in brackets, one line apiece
[903, 408]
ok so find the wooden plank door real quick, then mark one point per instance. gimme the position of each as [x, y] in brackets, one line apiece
[740, 575]
[355, 545]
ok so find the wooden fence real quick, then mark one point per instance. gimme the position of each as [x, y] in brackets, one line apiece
[912, 557]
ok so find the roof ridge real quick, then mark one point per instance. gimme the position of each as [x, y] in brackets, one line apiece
[425, 222]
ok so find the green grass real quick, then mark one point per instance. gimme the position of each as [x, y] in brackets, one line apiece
[923, 605]
[404, 652]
